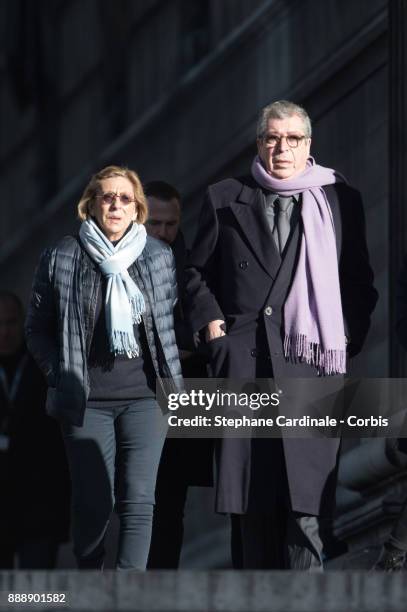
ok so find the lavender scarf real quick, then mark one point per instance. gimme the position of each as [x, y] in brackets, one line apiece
[313, 320]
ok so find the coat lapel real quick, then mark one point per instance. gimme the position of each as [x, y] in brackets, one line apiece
[249, 211]
[286, 271]
[250, 214]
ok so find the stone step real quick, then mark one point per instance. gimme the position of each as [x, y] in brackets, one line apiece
[209, 591]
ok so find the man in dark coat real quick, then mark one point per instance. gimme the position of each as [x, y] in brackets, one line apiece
[34, 478]
[186, 462]
[279, 284]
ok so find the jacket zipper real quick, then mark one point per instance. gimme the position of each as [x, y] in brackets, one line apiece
[159, 378]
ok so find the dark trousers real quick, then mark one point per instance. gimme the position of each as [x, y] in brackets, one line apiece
[184, 463]
[168, 525]
[270, 535]
[39, 553]
[278, 540]
[32, 553]
[113, 460]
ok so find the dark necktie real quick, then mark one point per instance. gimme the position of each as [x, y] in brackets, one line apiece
[282, 226]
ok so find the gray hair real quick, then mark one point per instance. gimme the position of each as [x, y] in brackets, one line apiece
[281, 110]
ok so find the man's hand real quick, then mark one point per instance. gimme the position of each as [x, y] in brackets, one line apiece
[214, 330]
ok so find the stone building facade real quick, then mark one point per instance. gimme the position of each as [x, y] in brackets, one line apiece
[172, 88]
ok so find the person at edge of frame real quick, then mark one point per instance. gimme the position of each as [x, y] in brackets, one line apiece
[393, 554]
[35, 486]
[186, 462]
[279, 283]
[100, 326]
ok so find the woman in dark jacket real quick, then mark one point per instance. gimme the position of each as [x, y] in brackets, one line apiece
[100, 326]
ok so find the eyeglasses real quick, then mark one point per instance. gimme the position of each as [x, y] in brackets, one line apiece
[293, 141]
[110, 197]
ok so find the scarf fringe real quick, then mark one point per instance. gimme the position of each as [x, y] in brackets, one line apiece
[138, 307]
[299, 348]
[124, 344]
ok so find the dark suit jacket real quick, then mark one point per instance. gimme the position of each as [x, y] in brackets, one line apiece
[236, 274]
[185, 461]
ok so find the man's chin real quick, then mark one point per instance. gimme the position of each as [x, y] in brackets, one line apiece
[282, 173]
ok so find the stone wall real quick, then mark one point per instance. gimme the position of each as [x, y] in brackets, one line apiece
[175, 94]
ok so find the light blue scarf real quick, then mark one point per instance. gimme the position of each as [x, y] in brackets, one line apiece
[124, 303]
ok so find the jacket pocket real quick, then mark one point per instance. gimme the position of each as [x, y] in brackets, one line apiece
[218, 355]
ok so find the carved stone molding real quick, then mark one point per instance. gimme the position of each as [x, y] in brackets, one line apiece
[397, 166]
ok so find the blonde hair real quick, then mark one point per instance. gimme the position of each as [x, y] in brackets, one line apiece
[93, 187]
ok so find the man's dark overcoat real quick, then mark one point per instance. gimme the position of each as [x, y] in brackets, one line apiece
[235, 273]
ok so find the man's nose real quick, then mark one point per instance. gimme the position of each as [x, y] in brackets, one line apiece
[162, 234]
[282, 144]
[159, 232]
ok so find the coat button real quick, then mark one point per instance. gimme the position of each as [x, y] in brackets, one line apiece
[253, 352]
[243, 264]
[268, 311]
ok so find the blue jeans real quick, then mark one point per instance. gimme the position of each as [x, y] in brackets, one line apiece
[113, 461]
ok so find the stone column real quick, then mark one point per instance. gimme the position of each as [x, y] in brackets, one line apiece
[397, 166]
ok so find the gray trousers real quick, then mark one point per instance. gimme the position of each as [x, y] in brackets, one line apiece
[113, 461]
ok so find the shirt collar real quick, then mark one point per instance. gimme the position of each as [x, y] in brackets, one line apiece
[272, 197]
